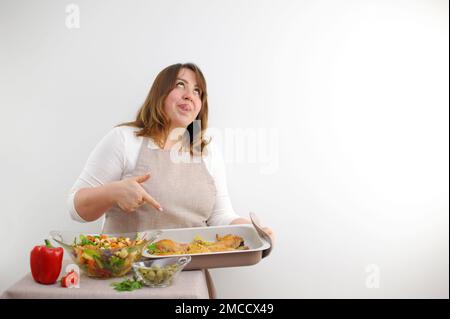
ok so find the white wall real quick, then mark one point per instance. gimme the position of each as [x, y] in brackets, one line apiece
[352, 97]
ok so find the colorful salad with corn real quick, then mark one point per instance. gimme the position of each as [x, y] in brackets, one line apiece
[104, 256]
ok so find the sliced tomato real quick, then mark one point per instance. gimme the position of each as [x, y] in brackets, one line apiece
[70, 279]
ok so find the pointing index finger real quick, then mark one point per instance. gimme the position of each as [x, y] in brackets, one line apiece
[150, 200]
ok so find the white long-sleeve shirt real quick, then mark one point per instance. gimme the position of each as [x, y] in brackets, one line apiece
[115, 157]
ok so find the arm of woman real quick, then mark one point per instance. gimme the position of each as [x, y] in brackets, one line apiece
[90, 197]
[99, 186]
[91, 203]
[223, 212]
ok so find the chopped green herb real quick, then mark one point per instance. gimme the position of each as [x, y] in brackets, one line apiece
[127, 285]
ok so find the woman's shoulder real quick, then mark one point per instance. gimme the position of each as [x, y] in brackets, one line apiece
[125, 130]
[121, 139]
[126, 133]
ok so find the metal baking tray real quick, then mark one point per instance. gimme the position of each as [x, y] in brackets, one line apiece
[258, 246]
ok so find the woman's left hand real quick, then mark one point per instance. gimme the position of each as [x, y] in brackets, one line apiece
[270, 233]
[268, 230]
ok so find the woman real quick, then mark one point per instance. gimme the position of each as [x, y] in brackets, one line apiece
[131, 178]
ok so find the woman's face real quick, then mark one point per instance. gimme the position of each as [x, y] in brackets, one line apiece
[183, 103]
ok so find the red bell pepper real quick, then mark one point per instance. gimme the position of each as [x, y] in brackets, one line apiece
[46, 262]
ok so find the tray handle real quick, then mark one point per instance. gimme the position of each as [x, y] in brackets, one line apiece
[257, 224]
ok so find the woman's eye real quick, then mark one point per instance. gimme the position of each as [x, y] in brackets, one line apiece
[197, 91]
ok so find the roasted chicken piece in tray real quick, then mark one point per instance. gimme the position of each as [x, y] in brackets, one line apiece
[198, 245]
[171, 247]
[227, 243]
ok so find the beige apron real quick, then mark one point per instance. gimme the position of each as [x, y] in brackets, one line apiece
[185, 190]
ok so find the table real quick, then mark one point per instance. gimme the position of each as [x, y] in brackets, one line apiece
[192, 284]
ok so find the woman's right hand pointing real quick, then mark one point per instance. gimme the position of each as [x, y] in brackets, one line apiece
[129, 194]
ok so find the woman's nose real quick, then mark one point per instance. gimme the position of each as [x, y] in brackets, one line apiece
[187, 95]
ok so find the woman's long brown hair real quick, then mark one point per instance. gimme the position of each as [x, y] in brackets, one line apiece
[153, 121]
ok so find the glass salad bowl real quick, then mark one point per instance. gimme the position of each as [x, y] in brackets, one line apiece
[104, 255]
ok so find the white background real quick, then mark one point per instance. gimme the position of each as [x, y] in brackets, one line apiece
[357, 92]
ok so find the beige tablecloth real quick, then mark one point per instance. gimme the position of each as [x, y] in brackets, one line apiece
[188, 285]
